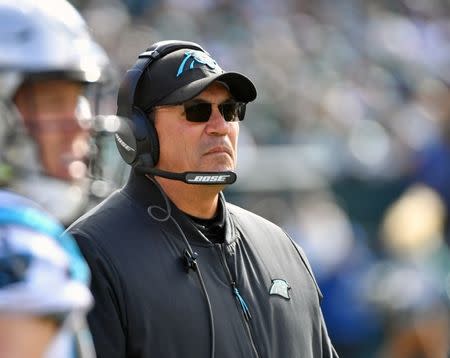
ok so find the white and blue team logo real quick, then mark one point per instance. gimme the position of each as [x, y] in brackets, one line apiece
[281, 288]
[193, 59]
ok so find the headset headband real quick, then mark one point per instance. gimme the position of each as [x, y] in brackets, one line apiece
[127, 90]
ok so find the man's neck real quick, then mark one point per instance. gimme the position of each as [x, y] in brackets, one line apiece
[200, 201]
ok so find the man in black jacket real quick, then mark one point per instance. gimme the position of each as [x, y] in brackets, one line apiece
[176, 270]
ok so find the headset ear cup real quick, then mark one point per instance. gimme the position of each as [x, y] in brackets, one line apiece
[137, 140]
[126, 140]
[147, 144]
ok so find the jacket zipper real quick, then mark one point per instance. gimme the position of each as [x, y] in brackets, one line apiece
[242, 304]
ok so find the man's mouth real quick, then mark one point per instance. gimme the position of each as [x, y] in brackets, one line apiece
[219, 150]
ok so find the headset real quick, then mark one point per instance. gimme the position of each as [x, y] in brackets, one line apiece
[136, 137]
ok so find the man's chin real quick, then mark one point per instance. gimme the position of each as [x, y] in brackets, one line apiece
[217, 169]
[224, 165]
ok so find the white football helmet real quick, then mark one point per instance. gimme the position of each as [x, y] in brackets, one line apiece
[44, 40]
[43, 274]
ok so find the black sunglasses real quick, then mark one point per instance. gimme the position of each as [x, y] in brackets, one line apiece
[201, 111]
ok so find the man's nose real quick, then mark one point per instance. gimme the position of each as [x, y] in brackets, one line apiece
[216, 124]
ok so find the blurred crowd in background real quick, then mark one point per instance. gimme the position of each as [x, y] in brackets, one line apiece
[347, 146]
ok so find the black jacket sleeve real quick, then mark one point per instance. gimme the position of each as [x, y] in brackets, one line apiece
[106, 320]
[328, 350]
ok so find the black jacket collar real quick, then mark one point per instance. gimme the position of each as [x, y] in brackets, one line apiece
[146, 194]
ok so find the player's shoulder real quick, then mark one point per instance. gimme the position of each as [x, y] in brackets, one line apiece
[101, 219]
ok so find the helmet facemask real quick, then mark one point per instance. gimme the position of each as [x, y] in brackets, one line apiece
[45, 153]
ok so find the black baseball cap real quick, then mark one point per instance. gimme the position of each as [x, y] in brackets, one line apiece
[182, 75]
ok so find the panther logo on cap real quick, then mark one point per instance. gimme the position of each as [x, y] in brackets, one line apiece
[199, 58]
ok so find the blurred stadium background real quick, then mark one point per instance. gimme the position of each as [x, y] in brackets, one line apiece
[347, 146]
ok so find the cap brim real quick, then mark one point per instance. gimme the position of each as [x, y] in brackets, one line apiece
[241, 88]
